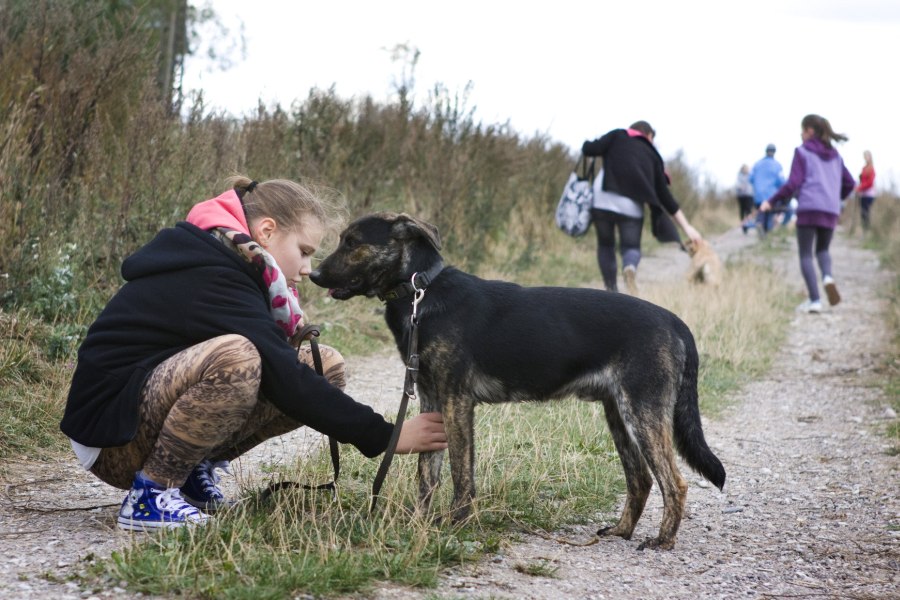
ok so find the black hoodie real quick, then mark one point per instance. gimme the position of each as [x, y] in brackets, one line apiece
[182, 288]
[633, 168]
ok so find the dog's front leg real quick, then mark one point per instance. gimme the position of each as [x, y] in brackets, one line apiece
[429, 462]
[459, 415]
[429, 477]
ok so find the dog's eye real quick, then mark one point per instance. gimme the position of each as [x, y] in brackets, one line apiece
[349, 243]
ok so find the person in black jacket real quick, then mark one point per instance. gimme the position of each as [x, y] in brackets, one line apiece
[633, 176]
[190, 364]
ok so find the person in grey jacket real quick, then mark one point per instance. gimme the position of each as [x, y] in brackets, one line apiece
[819, 180]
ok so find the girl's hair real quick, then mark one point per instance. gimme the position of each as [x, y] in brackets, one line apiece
[822, 129]
[287, 202]
[643, 127]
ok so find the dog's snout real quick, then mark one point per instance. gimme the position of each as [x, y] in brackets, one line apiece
[315, 276]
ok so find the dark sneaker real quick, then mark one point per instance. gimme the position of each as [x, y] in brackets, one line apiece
[831, 290]
[149, 507]
[202, 487]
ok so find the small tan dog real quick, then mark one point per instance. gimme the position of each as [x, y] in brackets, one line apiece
[705, 267]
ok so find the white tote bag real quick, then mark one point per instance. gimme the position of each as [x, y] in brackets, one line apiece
[573, 213]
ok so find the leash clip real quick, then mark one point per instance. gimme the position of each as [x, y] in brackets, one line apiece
[419, 294]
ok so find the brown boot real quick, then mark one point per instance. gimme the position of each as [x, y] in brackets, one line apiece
[831, 290]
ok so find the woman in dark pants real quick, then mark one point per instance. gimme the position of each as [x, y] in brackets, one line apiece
[633, 176]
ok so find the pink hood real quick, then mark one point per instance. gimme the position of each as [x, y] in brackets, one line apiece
[224, 210]
[636, 133]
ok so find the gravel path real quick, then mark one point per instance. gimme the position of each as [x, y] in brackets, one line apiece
[811, 507]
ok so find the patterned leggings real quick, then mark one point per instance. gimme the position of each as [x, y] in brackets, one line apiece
[203, 403]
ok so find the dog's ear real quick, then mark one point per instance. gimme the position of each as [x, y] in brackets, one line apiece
[406, 227]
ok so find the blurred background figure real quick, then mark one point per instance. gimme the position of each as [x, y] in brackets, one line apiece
[744, 192]
[866, 189]
[766, 177]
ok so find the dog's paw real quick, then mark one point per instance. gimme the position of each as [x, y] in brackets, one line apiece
[614, 530]
[461, 518]
[656, 544]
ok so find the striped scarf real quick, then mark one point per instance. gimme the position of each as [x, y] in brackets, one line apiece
[283, 300]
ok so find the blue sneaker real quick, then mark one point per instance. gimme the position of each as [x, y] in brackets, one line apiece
[202, 487]
[149, 507]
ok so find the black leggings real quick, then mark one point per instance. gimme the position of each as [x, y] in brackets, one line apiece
[821, 237]
[865, 207]
[630, 229]
[745, 206]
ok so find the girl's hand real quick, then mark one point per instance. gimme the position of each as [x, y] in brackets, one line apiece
[765, 206]
[423, 433]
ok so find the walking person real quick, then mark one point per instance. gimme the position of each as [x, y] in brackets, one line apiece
[866, 190]
[744, 193]
[633, 176]
[766, 177]
[190, 364]
[819, 180]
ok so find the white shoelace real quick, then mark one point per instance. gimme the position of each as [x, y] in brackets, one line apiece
[171, 501]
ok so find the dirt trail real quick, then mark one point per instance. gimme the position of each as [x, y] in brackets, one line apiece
[811, 507]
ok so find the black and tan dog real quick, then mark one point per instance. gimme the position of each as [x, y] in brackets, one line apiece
[493, 341]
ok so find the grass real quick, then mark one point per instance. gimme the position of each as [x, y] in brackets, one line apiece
[301, 541]
[884, 238]
[33, 381]
[736, 327]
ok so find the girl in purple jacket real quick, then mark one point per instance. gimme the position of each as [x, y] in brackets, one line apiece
[819, 180]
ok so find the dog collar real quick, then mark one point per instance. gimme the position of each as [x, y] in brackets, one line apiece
[421, 280]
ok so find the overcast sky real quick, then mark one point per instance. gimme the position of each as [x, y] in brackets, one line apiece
[718, 80]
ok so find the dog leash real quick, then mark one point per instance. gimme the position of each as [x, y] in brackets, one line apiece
[409, 392]
[312, 331]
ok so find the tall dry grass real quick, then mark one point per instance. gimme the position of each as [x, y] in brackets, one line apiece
[737, 327]
[884, 237]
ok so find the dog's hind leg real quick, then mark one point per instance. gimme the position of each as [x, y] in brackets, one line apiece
[655, 439]
[638, 480]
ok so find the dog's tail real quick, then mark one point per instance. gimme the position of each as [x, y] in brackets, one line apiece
[688, 430]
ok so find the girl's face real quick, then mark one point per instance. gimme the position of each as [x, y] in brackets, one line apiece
[807, 134]
[292, 250]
